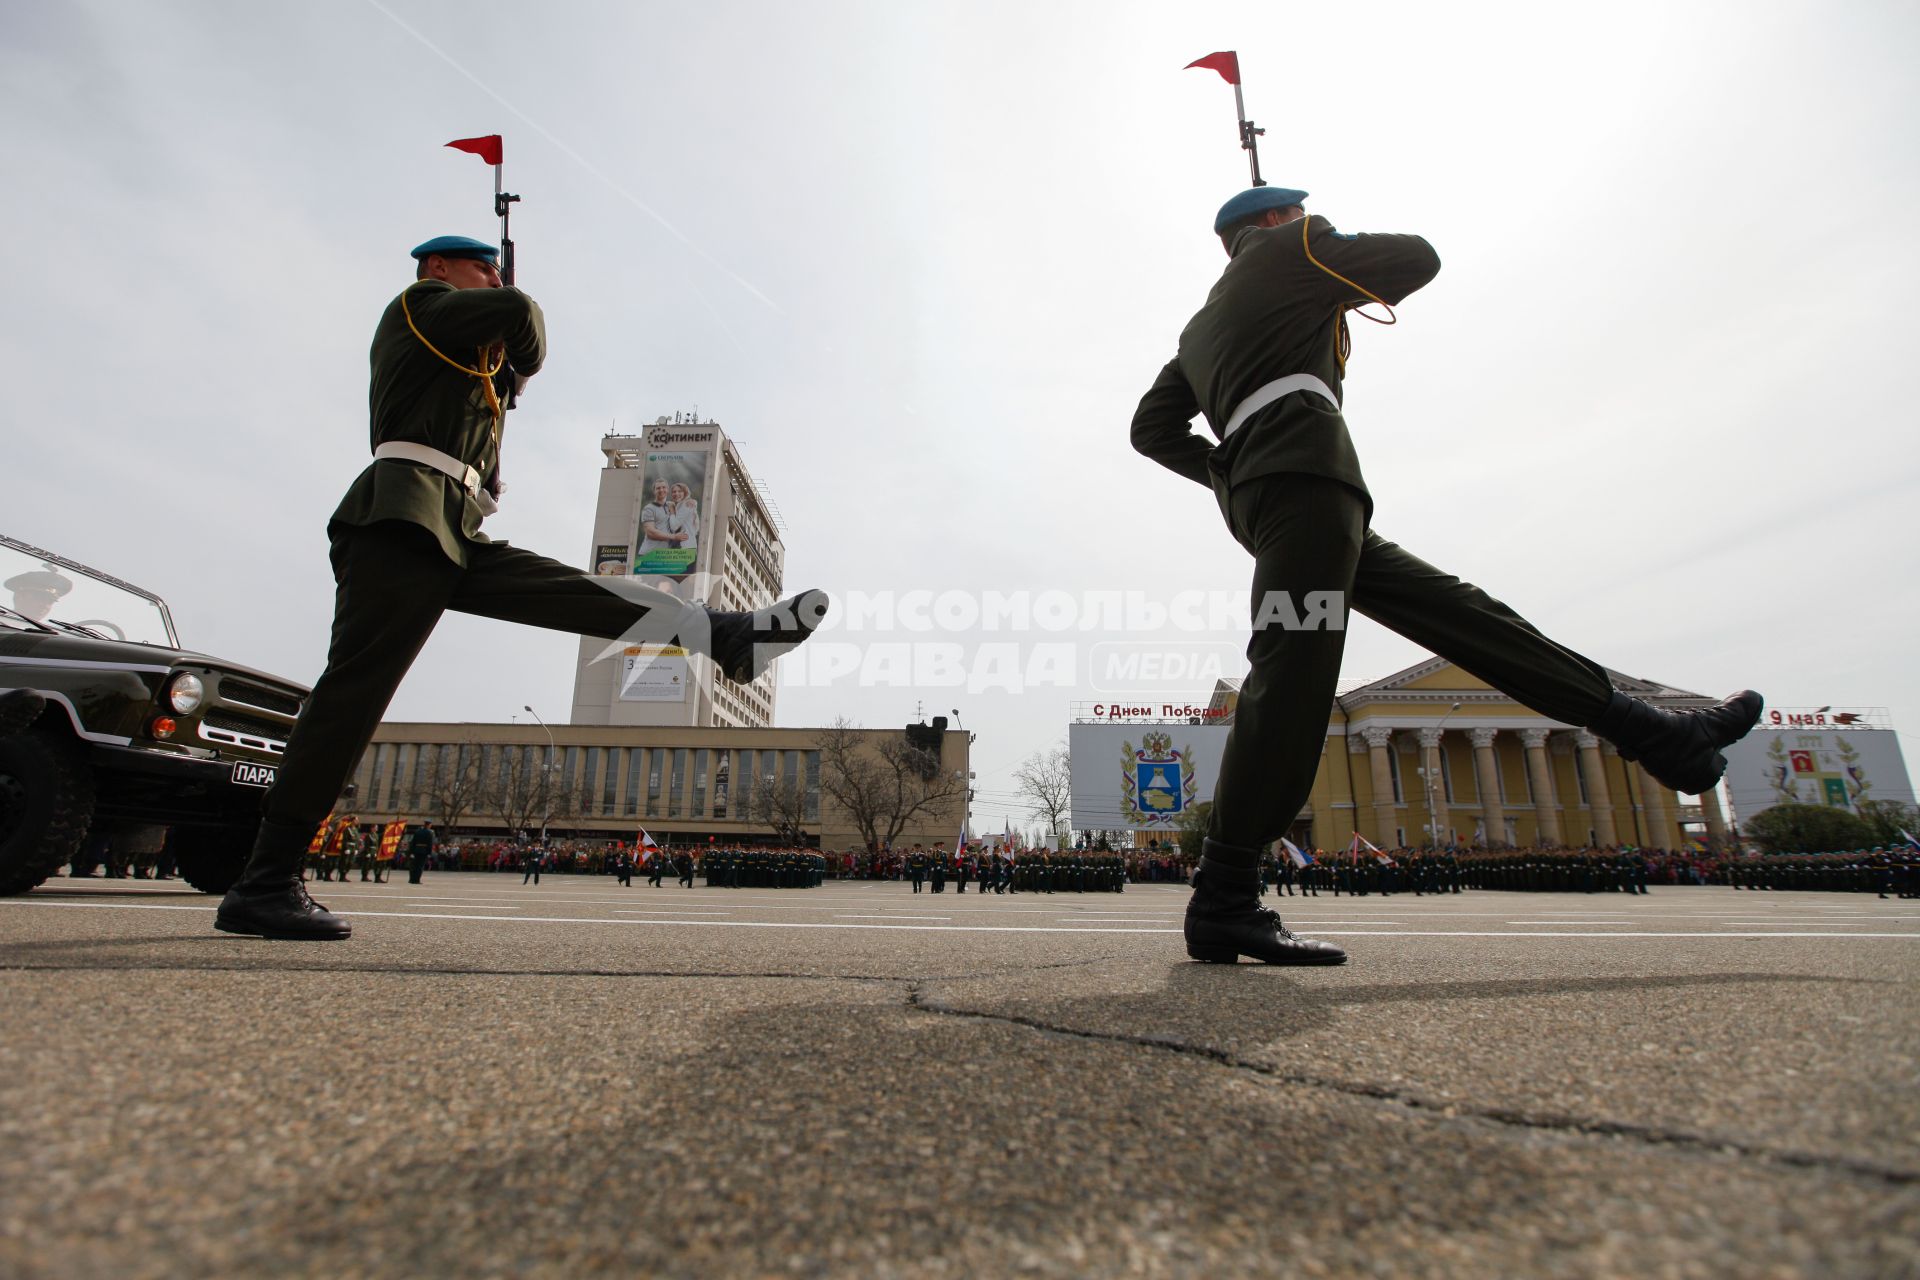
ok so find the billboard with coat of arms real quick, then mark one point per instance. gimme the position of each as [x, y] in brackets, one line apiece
[1141, 777]
[1839, 768]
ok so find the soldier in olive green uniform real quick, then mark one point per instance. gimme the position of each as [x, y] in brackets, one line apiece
[1264, 360]
[407, 546]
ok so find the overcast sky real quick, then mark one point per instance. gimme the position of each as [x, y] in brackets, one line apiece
[921, 260]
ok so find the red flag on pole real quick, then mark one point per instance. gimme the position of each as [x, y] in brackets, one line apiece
[488, 148]
[1226, 63]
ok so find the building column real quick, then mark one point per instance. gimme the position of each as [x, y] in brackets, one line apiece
[1662, 832]
[1356, 745]
[1546, 813]
[1379, 740]
[1716, 820]
[1593, 767]
[1436, 787]
[1486, 771]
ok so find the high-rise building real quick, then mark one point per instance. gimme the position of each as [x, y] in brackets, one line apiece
[678, 510]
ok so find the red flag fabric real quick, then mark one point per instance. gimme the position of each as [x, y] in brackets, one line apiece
[488, 148]
[1226, 63]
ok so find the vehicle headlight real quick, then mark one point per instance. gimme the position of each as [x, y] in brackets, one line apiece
[185, 693]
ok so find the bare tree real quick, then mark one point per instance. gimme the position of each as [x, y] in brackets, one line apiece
[783, 806]
[1045, 782]
[888, 787]
[520, 789]
[570, 797]
[452, 786]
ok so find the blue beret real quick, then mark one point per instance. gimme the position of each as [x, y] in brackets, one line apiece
[459, 247]
[1255, 200]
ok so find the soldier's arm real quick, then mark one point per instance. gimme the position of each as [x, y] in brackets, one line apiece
[456, 320]
[1391, 266]
[1162, 426]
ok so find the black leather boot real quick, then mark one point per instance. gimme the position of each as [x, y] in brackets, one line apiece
[745, 644]
[270, 900]
[1681, 749]
[1226, 921]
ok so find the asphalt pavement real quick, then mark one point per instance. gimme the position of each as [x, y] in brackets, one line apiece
[576, 1079]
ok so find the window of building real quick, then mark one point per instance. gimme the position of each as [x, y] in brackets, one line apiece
[612, 780]
[382, 759]
[700, 782]
[813, 786]
[422, 761]
[676, 781]
[655, 757]
[1393, 774]
[747, 774]
[1580, 777]
[722, 776]
[634, 757]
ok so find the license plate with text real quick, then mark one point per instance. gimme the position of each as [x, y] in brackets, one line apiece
[248, 774]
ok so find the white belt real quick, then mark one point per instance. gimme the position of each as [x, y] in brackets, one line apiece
[445, 463]
[1279, 387]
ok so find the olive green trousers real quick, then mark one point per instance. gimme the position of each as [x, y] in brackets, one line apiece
[1309, 537]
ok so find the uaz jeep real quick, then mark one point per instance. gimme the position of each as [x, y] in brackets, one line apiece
[107, 727]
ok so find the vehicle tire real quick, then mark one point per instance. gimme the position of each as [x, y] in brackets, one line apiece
[46, 805]
[212, 858]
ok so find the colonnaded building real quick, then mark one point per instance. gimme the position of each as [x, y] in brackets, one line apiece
[684, 786]
[1429, 755]
[658, 738]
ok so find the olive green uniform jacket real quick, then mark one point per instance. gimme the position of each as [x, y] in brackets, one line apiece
[416, 396]
[1273, 313]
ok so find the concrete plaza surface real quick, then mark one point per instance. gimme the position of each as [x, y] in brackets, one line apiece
[578, 1079]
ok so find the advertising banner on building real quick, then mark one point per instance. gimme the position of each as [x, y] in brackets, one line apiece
[653, 673]
[610, 560]
[674, 523]
[1840, 768]
[1141, 777]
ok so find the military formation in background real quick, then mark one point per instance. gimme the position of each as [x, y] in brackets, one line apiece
[344, 849]
[1418, 873]
[756, 868]
[1891, 873]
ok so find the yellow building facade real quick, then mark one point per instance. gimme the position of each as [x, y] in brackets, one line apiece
[1433, 756]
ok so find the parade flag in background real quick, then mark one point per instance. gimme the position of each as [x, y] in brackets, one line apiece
[1910, 839]
[1361, 842]
[1227, 63]
[390, 838]
[488, 148]
[1298, 858]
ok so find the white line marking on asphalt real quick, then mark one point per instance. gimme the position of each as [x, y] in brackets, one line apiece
[859, 917]
[668, 911]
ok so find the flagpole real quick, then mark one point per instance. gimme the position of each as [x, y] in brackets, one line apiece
[1227, 63]
[1248, 134]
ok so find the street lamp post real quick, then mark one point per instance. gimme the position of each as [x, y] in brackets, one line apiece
[546, 774]
[1426, 773]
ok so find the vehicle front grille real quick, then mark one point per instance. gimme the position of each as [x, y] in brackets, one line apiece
[232, 690]
[242, 731]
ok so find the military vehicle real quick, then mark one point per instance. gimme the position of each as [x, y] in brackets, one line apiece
[109, 728]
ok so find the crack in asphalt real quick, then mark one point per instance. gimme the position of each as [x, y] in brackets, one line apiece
[1507, 1116]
